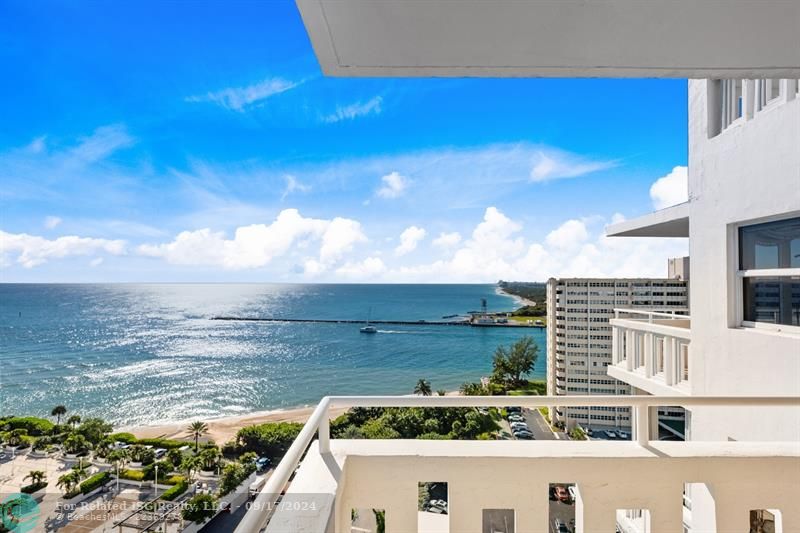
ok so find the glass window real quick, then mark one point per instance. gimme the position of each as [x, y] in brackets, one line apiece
[770, 245]
[769, 296]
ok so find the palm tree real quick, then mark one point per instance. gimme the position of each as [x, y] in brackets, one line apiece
[58, 411]
[68, 481]
[74, 420]
[441, 392]
[36, 476]
[423, 388]
[189, 465]
[197, 429]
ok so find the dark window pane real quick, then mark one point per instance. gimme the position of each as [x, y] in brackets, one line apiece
[772, 300]
[770, 245]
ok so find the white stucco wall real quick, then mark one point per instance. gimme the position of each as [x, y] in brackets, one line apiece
[748, 172]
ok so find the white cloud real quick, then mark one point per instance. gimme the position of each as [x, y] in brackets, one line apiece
[671, 189]
[104, 141]
[358, 109]
[568, 235]
[368, 268]
[409, 240]
[576, 248]
[51, 222]
[292, 185]
[32, 250]
[97, 261]
[394, 185]
[555, 164]
[239, 98]
[447, 240]
[257, 245]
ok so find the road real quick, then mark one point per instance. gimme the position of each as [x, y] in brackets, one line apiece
[538, 425]
[566, 512]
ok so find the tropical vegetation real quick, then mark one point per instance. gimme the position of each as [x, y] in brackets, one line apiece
[199, 508]
[196, 430]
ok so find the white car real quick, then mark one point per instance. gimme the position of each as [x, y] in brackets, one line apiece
[515, 425]
[611, 434]
[437, 506]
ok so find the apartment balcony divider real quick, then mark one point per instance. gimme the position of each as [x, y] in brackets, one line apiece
[650, 350]
[338, 476]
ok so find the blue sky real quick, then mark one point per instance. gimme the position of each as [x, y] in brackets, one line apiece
[199, 141]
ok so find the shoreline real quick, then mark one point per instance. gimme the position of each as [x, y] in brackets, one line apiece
[519, 299]
[224, 429]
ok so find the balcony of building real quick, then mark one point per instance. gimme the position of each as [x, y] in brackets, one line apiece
[329, 479]
[650, 351]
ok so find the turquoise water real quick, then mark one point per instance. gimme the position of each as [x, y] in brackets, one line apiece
[142, 354]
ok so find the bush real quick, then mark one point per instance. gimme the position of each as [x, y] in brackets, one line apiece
[271, 439]
[577, 434]
[132, 475]
[167, 444]
[33, 425]
[232, 476]
[175, 491]
[174, 480]
[33, 487]
[127, 438]
[199, 508]
[97, 480]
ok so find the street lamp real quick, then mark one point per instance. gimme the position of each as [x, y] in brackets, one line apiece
[156, 484]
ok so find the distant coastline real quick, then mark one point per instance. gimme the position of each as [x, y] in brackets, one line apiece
[519, 299]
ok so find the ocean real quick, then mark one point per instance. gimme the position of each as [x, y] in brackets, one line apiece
[139, 354]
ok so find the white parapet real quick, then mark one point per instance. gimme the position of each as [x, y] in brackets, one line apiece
[337, 476]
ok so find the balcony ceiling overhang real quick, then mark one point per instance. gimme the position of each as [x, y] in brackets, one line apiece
[670, 222]
[555, 38]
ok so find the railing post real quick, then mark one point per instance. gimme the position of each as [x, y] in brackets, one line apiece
[648, 355]
[629, 349]
[669, 360]
[324, 431]
[642, 427]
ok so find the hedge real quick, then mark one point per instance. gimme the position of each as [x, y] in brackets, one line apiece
[35, 426]
[97, 480]
[33, 487]
[174, 480]
[175, 491]
[127, 438]
[132, 475]
[167, 444]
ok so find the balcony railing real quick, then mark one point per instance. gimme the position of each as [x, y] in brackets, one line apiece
[650, 350]
[339, 476]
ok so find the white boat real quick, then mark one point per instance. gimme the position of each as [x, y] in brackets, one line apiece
[369, 328]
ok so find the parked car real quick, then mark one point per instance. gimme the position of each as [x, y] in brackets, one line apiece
[513, 409]
[437, 506]
[611, 434]
[160, 452]
[562, 494]
[561, 527]
[624, 435]
[525, 435]
[516, 418]
[518, 425]
[262, 463]
[589, 432]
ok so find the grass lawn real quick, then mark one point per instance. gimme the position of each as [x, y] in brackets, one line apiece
[524, 319]
[533, 388]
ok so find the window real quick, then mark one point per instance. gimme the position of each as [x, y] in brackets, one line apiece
[769, 268]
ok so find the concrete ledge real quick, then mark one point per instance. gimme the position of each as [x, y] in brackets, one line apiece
[670, 222]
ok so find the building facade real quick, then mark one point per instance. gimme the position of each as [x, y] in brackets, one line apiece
[743, 224]
[579, 343]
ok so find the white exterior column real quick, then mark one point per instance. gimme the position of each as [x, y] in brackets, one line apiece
[648, 355]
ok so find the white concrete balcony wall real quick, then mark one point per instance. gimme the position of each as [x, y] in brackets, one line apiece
[336, 476]
[650, 351]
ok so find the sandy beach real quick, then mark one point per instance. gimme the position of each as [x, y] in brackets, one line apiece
[222, 430]
[519, 299]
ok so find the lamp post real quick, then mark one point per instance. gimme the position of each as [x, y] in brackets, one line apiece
[156, 483]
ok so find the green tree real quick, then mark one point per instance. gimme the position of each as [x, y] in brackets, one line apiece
[423, 388]
[511, 364]
[175, 456]
[95, 429]
[441, 392]
[17, 436]
[196, 430]
[119, 458]
[270, 439]
[380, 520]
[36, 477]
[190, 465]
[67, 482]
[58, 411]
[232, 475]
[473, 389]
[351, 432]
[199, 508]
[76, 443]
